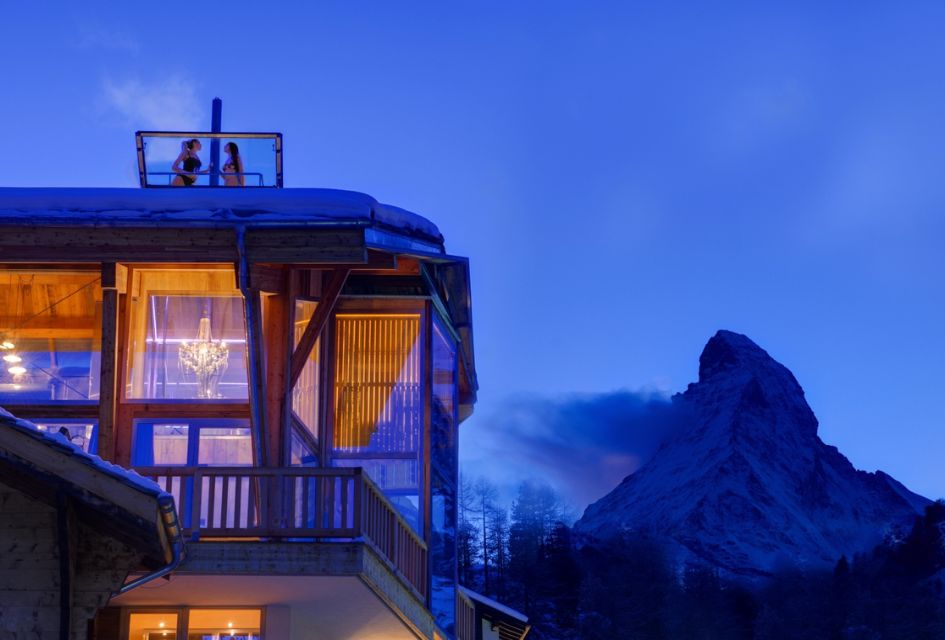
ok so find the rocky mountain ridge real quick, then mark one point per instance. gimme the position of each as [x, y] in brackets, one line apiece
[747, 485]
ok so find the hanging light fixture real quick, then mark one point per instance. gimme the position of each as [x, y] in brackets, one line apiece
[6, 344]
[204, 358]
[12, 358]
[17, 370]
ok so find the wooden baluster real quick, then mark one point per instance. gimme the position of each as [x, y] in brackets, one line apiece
[196, 500]
[305, 493]
[224, 502]
[265, 517]
[238, 504]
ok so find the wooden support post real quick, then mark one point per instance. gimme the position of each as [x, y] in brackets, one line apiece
[64, 533]
[252, 305]
[276, 340]
[108, 381]
[331, 293]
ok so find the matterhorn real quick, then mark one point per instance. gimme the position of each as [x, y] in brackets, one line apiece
[746, 485]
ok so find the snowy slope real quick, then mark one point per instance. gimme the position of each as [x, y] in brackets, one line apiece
[747, 485]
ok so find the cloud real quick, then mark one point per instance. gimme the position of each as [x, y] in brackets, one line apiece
[168, 104]
[582, 445]
[98, 36]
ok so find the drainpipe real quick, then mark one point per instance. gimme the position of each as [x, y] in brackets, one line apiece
[172, 529]
[252, 314]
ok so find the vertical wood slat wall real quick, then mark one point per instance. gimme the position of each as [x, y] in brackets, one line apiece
[377, 373]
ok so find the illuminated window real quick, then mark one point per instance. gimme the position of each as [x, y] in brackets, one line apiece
[50, 336]
[378, 415]
[306, 390]
[202, 624]
[223, 624]
[210, 442]
[301, 454]
[152, 626]
[82, 433]
[187, 336]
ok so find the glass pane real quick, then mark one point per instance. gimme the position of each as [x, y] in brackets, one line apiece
[443, 481]
[182, 161]
[223, 624]
[378, 400]
[305, 392]
[399, 479]
[152, 626]
[379, 404]
[79, 433]
[225, 447]
[188, 337]
[160, 443]
[302, 455]
[50, 336]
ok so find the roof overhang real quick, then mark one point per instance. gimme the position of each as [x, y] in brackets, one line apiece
[106, 498]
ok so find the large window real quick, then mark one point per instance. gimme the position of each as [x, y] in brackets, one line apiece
[208, 442]
[305, 394]
[50, 336]
[378, 416]
[443, 478]
[187, 336]
[82, 433]
[197, 624]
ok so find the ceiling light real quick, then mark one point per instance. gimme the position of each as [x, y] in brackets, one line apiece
[6, 344]
[17, 370]
[12, 358]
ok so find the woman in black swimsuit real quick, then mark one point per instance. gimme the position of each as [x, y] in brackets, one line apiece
[187, 175]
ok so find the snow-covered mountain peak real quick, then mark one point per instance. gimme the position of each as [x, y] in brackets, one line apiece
[748, 485]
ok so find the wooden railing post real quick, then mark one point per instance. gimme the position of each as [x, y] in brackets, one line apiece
[196, 502]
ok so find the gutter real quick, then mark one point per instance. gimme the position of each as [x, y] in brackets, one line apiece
[254, 350]
[174, 536]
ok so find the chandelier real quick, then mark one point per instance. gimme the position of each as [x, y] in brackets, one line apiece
[204, 358]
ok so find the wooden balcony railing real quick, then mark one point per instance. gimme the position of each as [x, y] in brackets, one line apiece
[294, 502]
[465, 617]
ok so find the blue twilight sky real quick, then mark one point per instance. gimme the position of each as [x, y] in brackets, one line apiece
[626, 178]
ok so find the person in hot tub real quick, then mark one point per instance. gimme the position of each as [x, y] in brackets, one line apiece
[233, 167]
[187, 165]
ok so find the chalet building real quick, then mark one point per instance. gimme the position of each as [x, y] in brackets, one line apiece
[291, 365]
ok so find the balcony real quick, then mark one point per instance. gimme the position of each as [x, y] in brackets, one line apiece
[298, 505]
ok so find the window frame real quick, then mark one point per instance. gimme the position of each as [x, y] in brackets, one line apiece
[183, 616]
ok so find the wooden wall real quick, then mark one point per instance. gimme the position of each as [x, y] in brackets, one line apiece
[31, 568]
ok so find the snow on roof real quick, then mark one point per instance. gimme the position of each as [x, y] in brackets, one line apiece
[209, 207]
[61, 443]
[498, 606]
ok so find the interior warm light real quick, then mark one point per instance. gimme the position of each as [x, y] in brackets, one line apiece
[17, 370]
[229, 624]
[6, 344]
[12, 358]
[17, 387]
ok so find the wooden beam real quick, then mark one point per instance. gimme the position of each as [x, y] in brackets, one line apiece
[108, 385]
[330, 295]
[53, 411]
[64, 534]
[376, 261]
[36, 243]
[252, 307]
[306, 245]
[267, 278]
[276, 338]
